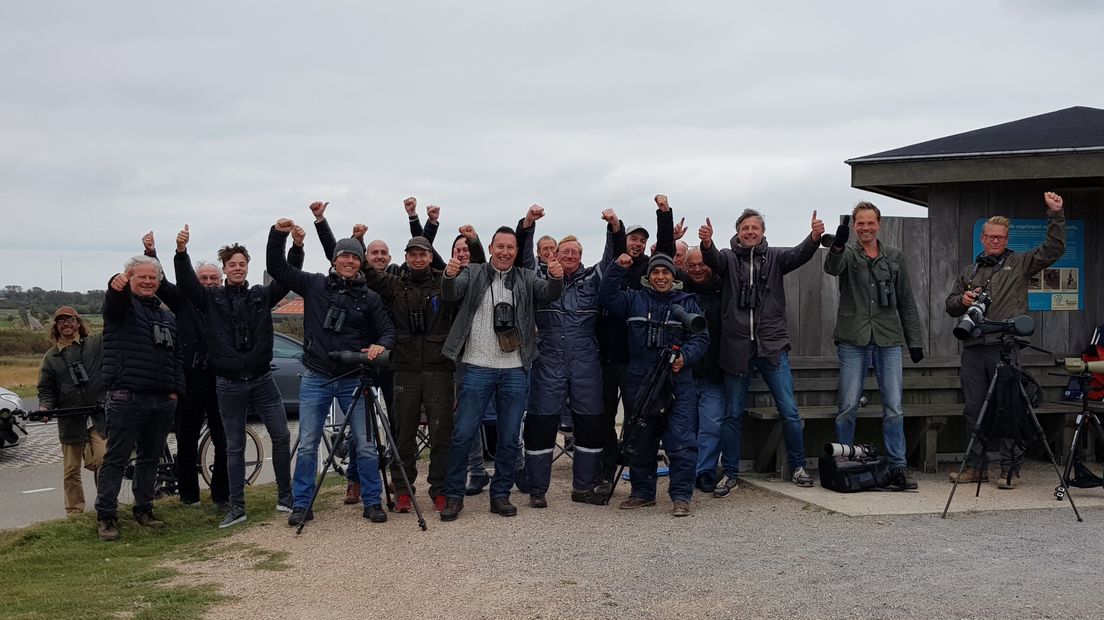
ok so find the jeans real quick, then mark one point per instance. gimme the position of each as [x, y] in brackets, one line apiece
[262, 397]
[853, 362]
[780, 381]
[140, 423]
[508, 388]
[711, 414]
[198, 405]
[315, 398]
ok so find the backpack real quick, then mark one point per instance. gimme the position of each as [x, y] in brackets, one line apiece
[853, 475]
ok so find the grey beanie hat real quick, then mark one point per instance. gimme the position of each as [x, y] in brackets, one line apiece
[348, 245]
[660, 259]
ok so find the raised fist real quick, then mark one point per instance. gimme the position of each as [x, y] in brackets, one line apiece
[661, 202]
[625, 261]
[555, 269]
[182, 238]
[358, 231]
[319, 210]
[433, 212]
[298, 235]
[147, 242]
[469, 232]
[534, 213]
[285, 225]
[411, 205]
[119, 282]
[609, 216]
[1053, 201]
[452, 268]
[705, 233]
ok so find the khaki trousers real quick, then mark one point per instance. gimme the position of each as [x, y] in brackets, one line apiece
[91, 453]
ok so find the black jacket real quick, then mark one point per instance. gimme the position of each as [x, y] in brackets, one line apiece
[131, 359]
[238, 319]
[422, 318]
[709, 299]
[355, 309]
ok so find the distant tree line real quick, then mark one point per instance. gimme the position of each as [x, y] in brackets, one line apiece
[41, 303]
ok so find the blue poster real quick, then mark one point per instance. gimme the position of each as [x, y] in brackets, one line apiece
[1060, 286]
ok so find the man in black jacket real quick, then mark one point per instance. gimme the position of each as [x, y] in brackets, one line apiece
[144, 376]
[340, 313]
[239, 351]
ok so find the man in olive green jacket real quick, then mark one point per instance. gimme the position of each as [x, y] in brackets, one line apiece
[877, 316]
[70, 377]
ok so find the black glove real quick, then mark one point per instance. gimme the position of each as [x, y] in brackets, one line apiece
[917, 354]
[843, 231]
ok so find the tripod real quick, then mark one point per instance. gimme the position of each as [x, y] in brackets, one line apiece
[1085, 417]
[981, 434]
[377, 419]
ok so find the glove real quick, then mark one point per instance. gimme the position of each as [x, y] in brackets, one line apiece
[843, 232]
[917, 354]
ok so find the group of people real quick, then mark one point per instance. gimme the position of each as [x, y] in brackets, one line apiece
[535, 339]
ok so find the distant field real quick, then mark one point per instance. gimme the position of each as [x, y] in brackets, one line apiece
[19, 373]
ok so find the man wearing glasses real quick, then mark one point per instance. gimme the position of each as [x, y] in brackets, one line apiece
[1003, 274]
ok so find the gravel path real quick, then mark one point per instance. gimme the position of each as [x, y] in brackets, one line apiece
[751, 555]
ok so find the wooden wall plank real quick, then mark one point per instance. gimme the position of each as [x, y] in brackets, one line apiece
[944, 263]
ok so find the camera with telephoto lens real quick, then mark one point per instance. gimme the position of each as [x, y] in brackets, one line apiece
[162, 336]
[851, 452]
[969, 324]
[77, 373]
[335, 319]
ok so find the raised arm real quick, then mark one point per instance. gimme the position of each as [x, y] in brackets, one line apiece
[610, 296]
[837, 258]
[1055, 244]
[613, 229]
[277, 290]
[800, 254]
[187, 282]
[455, 283]
[665, 227]
[291, 277]
[526, 232]
[548, 289]
[117, 298]
[710, 255]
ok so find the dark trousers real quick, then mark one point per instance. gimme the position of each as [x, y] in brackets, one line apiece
[261, 396]
[615, 386]
[432, 390]
[198, 405]
[979, 362]
[138, 423]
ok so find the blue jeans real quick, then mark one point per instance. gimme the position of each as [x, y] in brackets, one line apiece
[780, 381]
[711, 414]
[315, 399]
[887, 366]
[263, 397]
[508, 388]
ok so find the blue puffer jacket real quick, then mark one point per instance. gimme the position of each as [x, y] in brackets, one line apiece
[636, 307]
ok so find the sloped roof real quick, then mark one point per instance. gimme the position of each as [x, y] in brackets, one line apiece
[1072, 130]
[291, 307]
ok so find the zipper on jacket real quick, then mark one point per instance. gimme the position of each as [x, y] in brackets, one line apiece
[751, 283]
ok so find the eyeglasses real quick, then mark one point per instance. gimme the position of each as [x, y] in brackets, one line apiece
[994, 237]
[61, 320]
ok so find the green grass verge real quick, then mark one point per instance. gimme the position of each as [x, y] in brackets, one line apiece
[60, 568]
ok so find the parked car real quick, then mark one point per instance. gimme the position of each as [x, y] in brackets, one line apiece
[287, 365]
[11, 407]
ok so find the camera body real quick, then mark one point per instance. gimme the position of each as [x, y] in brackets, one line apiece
[969, 325]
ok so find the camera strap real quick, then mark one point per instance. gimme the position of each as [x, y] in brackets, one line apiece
[987, 261]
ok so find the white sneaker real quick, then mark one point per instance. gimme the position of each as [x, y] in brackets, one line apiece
[802, 478]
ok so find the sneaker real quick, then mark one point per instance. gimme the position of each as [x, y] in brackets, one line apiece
[681, 509]
[802, 478]
[704, 483]
[726, 485]
[636, 502]
[969, 475]
[452, 509]
[404, 504]
[299, 516]
[475, 485]
[502, 506]
[234, 517]
[284, 503]
[589, 497]
[107, 530]
[352, 494]
[899, 478]
[439, 502]
[1007, 481]
[538, 501]
[146, 519]
[194, 504]
[375, 513]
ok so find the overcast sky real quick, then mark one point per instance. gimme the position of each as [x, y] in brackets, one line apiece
[121, 117]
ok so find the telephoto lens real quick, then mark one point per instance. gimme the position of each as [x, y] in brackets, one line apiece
[857, 451]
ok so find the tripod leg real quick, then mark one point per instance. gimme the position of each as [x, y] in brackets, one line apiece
[381, 449]
[976, 435]
[1060, 490]
[1050, 453]
[329, 459]
[394, 450]
[613, 483]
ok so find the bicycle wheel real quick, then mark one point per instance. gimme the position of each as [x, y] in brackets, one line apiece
[206, 456]
[254, 456]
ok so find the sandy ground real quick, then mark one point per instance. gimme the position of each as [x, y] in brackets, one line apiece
[755, 554]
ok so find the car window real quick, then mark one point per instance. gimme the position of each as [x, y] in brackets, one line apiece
[288, 349]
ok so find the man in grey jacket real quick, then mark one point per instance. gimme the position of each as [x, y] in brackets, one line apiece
[753, 327]
[493, 340]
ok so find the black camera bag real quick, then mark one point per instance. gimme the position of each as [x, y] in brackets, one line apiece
[853, 475]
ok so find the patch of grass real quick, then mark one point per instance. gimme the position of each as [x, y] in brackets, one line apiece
[60, 569]
[19, 373]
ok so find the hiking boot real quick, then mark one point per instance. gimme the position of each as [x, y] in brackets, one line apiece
[588, 497]
[502, 506]
[704, 483]
[299, 516]
[681, 509]
[107, 530]
[146, 519]
[1007, 481]
[475, 485]
[538, 501]
[969, 475]
[802, 478]
[375, 513]
[900, 479]
[635, 502]
[404, 504]
[604, 487]
[726, 485]
[439, 502]
[352, 494]
[234, 517]
[452, 509]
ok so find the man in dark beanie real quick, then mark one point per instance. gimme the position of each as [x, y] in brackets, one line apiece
[70, 377]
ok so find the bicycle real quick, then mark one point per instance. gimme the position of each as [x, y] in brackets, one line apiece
[166, 481]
